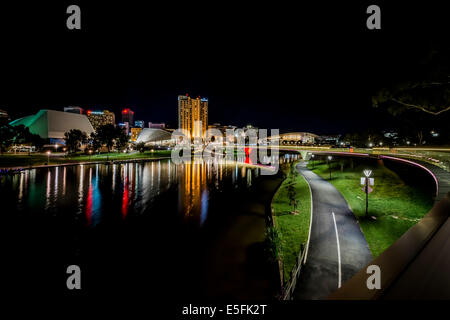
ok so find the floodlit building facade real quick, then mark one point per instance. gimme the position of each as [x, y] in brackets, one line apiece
[51, 125]
[190, 111]
[294, 138]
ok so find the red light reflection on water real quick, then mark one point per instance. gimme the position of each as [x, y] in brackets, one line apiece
[89, 206]
[125, 199]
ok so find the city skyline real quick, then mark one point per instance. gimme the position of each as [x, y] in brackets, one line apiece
[282, 77]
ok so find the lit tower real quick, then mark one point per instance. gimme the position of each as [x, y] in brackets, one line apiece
[128, 116]
[191, 110]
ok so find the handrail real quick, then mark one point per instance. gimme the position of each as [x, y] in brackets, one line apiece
[397, 258]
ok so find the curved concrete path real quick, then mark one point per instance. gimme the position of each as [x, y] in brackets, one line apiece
[337, 247]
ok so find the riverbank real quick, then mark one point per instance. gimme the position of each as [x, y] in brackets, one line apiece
[394, 206]
[22, 161]
[294, 228]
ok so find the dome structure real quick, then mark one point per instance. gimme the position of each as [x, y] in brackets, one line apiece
[153, 135]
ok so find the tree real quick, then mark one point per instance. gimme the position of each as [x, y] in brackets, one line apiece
[272, 244]
[20, 134]
[94, 141]
[140, 147]
[74, 139]
[121, 139]
[430, 97]
[106, 135]
[36, 141]
[426, 90]
[292, 192]
[7, 134]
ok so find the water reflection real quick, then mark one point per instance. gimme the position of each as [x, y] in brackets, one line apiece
[93, 193]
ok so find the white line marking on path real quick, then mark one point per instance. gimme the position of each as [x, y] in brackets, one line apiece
[310, 219]
[338, 250]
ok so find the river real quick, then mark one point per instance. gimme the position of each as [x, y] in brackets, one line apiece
[156, 227]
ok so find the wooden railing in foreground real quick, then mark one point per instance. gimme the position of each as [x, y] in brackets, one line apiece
[289, 287]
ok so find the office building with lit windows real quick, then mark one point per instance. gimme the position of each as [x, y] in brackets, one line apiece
[101, 118]
[135, 133]
[190, 111]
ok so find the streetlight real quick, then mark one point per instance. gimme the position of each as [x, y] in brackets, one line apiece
[48, 157]
[312, 156]
[367, 173]
[90, 152]
[329, 167]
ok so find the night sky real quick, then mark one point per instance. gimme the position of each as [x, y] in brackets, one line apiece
[275, 65]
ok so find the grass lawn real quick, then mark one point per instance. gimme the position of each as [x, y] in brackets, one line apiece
[294, 229]
[11, 160]
[394, 207]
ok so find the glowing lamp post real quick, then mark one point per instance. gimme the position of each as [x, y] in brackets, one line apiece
[312, 157]
[48, 157]
[90, 152]
[329, 167]
[366, 181]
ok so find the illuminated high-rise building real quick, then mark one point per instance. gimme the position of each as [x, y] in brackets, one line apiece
[128, 116]
[101, 118]
[190, 111]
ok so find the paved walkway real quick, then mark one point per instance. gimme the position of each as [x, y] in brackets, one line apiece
[337, 248]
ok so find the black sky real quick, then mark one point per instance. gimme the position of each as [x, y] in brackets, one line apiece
[307, 67]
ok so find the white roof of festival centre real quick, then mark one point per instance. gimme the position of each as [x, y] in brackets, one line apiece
[152, 135]
[53, 124]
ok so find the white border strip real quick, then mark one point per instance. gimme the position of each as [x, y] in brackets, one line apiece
[339, 251]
